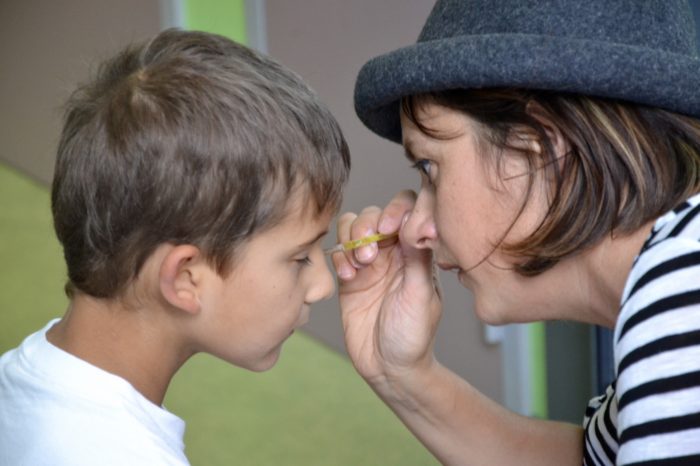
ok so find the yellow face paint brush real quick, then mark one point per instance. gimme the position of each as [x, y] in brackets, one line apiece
[357, 243]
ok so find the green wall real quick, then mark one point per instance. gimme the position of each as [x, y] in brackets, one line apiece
[32, 273]
[225, 17]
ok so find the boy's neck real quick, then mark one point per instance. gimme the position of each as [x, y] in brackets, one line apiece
[132, 343]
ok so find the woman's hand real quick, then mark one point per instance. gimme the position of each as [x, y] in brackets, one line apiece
[391, 306]
[389, 295]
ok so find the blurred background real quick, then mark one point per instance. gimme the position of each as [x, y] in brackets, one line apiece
[312, 408]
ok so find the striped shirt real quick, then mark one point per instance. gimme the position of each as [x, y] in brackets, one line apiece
[650, 414]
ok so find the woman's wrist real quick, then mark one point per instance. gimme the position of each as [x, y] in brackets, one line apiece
[405, 386]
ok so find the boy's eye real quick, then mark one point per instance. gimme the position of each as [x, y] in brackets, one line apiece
[304, 260]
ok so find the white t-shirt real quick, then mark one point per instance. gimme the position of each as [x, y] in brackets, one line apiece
[56, 409]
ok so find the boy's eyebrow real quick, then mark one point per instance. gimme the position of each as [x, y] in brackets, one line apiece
[312, 241]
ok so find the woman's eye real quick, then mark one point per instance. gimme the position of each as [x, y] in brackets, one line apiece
[423, 166]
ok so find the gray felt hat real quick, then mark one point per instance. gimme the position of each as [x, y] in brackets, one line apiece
[637, 50]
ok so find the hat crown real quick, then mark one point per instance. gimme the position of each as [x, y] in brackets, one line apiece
[664, 25]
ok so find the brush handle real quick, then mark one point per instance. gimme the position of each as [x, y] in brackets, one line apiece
[356, 243]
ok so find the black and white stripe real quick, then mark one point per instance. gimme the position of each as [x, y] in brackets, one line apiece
[650, 415]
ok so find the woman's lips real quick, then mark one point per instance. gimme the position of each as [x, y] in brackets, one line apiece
[449, 267]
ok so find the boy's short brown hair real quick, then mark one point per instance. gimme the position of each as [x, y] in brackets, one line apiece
[188, 138]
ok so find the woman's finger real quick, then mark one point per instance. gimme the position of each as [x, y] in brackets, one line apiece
[343, 267]
[391, 217]
[365, 225]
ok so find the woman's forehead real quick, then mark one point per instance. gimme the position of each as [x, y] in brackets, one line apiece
[434, 122]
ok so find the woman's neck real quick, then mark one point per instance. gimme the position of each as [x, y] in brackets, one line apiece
[607, 267]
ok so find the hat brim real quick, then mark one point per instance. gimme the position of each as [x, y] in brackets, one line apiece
[650, 77]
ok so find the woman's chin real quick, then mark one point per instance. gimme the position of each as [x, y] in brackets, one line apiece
[488, 314]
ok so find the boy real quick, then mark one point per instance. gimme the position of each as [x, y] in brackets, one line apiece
[194, 182]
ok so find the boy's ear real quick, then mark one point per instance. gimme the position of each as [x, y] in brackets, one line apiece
[180, 278]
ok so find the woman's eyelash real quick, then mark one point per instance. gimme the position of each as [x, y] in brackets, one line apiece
[422, 166]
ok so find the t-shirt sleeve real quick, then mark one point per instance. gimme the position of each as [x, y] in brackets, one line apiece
[657, 357]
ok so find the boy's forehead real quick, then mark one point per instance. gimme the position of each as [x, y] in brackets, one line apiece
[301, 203]
[301, 216]
[301, 220]
[298, 230]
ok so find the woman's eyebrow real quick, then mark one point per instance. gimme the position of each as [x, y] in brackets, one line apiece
[407, 150]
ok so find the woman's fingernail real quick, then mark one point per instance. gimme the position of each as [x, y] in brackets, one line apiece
[345, 272]
[405, 218]
[366, 252]
[386, 225]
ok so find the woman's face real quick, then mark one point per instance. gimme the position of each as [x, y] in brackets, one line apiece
[474, 199]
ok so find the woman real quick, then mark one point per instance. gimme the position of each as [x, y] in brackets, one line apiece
[560, 162]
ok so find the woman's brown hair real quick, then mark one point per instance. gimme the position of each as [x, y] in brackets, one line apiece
[627, 164]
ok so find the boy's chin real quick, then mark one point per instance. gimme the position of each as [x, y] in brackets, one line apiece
[265, 363]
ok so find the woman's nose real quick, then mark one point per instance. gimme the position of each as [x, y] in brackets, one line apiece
[419, 228]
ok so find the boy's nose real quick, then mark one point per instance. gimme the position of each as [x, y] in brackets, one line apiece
[323, 286]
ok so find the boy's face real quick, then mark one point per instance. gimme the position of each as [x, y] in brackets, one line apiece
[277, 275]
